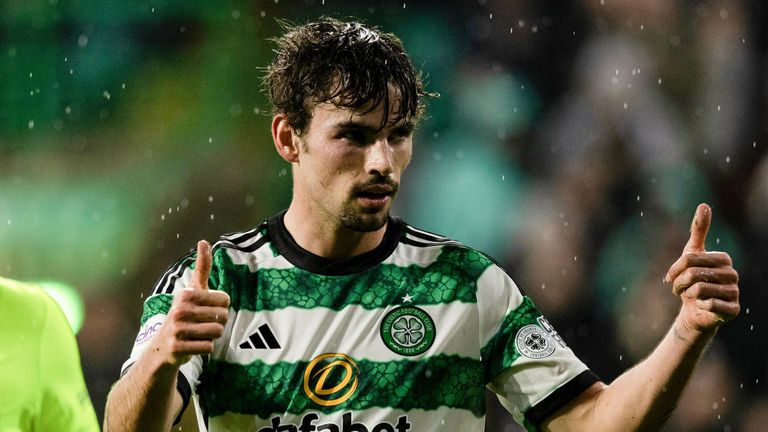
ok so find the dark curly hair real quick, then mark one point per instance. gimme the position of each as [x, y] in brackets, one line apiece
[347, 63]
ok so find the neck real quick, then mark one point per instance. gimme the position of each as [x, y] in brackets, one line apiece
[327, 238]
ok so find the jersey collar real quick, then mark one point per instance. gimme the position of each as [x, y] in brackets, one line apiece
[302, 258]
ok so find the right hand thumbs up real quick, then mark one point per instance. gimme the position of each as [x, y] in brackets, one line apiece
[197, 316]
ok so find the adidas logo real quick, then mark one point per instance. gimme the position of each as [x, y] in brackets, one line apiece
[263, 338]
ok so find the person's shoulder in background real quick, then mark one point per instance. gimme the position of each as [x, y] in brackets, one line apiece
[41, 382]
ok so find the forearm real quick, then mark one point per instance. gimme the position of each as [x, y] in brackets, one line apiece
[644, 397]
[144, 399]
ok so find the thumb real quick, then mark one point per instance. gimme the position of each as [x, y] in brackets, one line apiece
[699, 229]
[202, 266]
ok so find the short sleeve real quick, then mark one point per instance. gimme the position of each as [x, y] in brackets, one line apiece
[66, 405]
[527, 364]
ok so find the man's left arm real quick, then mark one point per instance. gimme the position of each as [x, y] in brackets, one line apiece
[644, 397]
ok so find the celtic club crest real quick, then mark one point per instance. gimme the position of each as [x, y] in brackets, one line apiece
[533, 342]
[408, 331]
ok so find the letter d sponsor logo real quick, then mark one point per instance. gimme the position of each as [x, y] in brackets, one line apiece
[330, 379]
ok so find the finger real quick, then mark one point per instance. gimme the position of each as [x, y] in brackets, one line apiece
[697, 259]
[703, 291]
[202, 266]
[192, 347]
[198, 331]
[692, 275]
[724, 310]
[202, 314]
[699, 229]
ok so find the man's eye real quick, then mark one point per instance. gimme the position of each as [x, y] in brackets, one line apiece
[354, 136]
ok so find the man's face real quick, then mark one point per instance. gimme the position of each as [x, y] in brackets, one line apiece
[348, 170]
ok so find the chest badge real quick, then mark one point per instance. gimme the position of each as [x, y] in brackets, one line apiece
[408, 330]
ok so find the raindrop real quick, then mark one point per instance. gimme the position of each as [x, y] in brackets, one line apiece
[706, 151]
[727, 159]
[82, 41]
[502, 177]
[31, 124]
[210, 139]
[638, 198]
[68, 110]
[264, 13]
[659, 81]
[575, 258]
[641, 214]
[211, 216]
[718, 107]
[170, 210]
[543, 286]
[256, 110]
[124, 271]
[490, 16]
[210, 198]
[623, 289]
[621, 357]
[162, 216]
[625, 105]
[236, 13]
[754, 144]
[9, 221]
[534, 29]
[642, 27]
[106, 95]
[747, 311]
[717, 240]
[751, 328]
[122, 86]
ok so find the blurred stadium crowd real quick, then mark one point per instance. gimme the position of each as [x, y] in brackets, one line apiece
[571, 141]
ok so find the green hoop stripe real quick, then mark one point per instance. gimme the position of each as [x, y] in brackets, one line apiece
[452, 277]
[266, 389]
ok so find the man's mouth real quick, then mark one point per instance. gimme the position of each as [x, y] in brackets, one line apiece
[375, 196]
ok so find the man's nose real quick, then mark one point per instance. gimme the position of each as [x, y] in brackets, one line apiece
[379, 158]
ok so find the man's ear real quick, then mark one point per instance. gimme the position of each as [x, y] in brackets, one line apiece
[285, 142]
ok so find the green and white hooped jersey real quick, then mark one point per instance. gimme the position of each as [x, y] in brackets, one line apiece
[405, 337]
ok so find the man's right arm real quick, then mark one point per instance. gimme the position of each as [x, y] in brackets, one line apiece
[145, 398]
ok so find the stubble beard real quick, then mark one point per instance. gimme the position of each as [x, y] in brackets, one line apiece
[360, 221]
